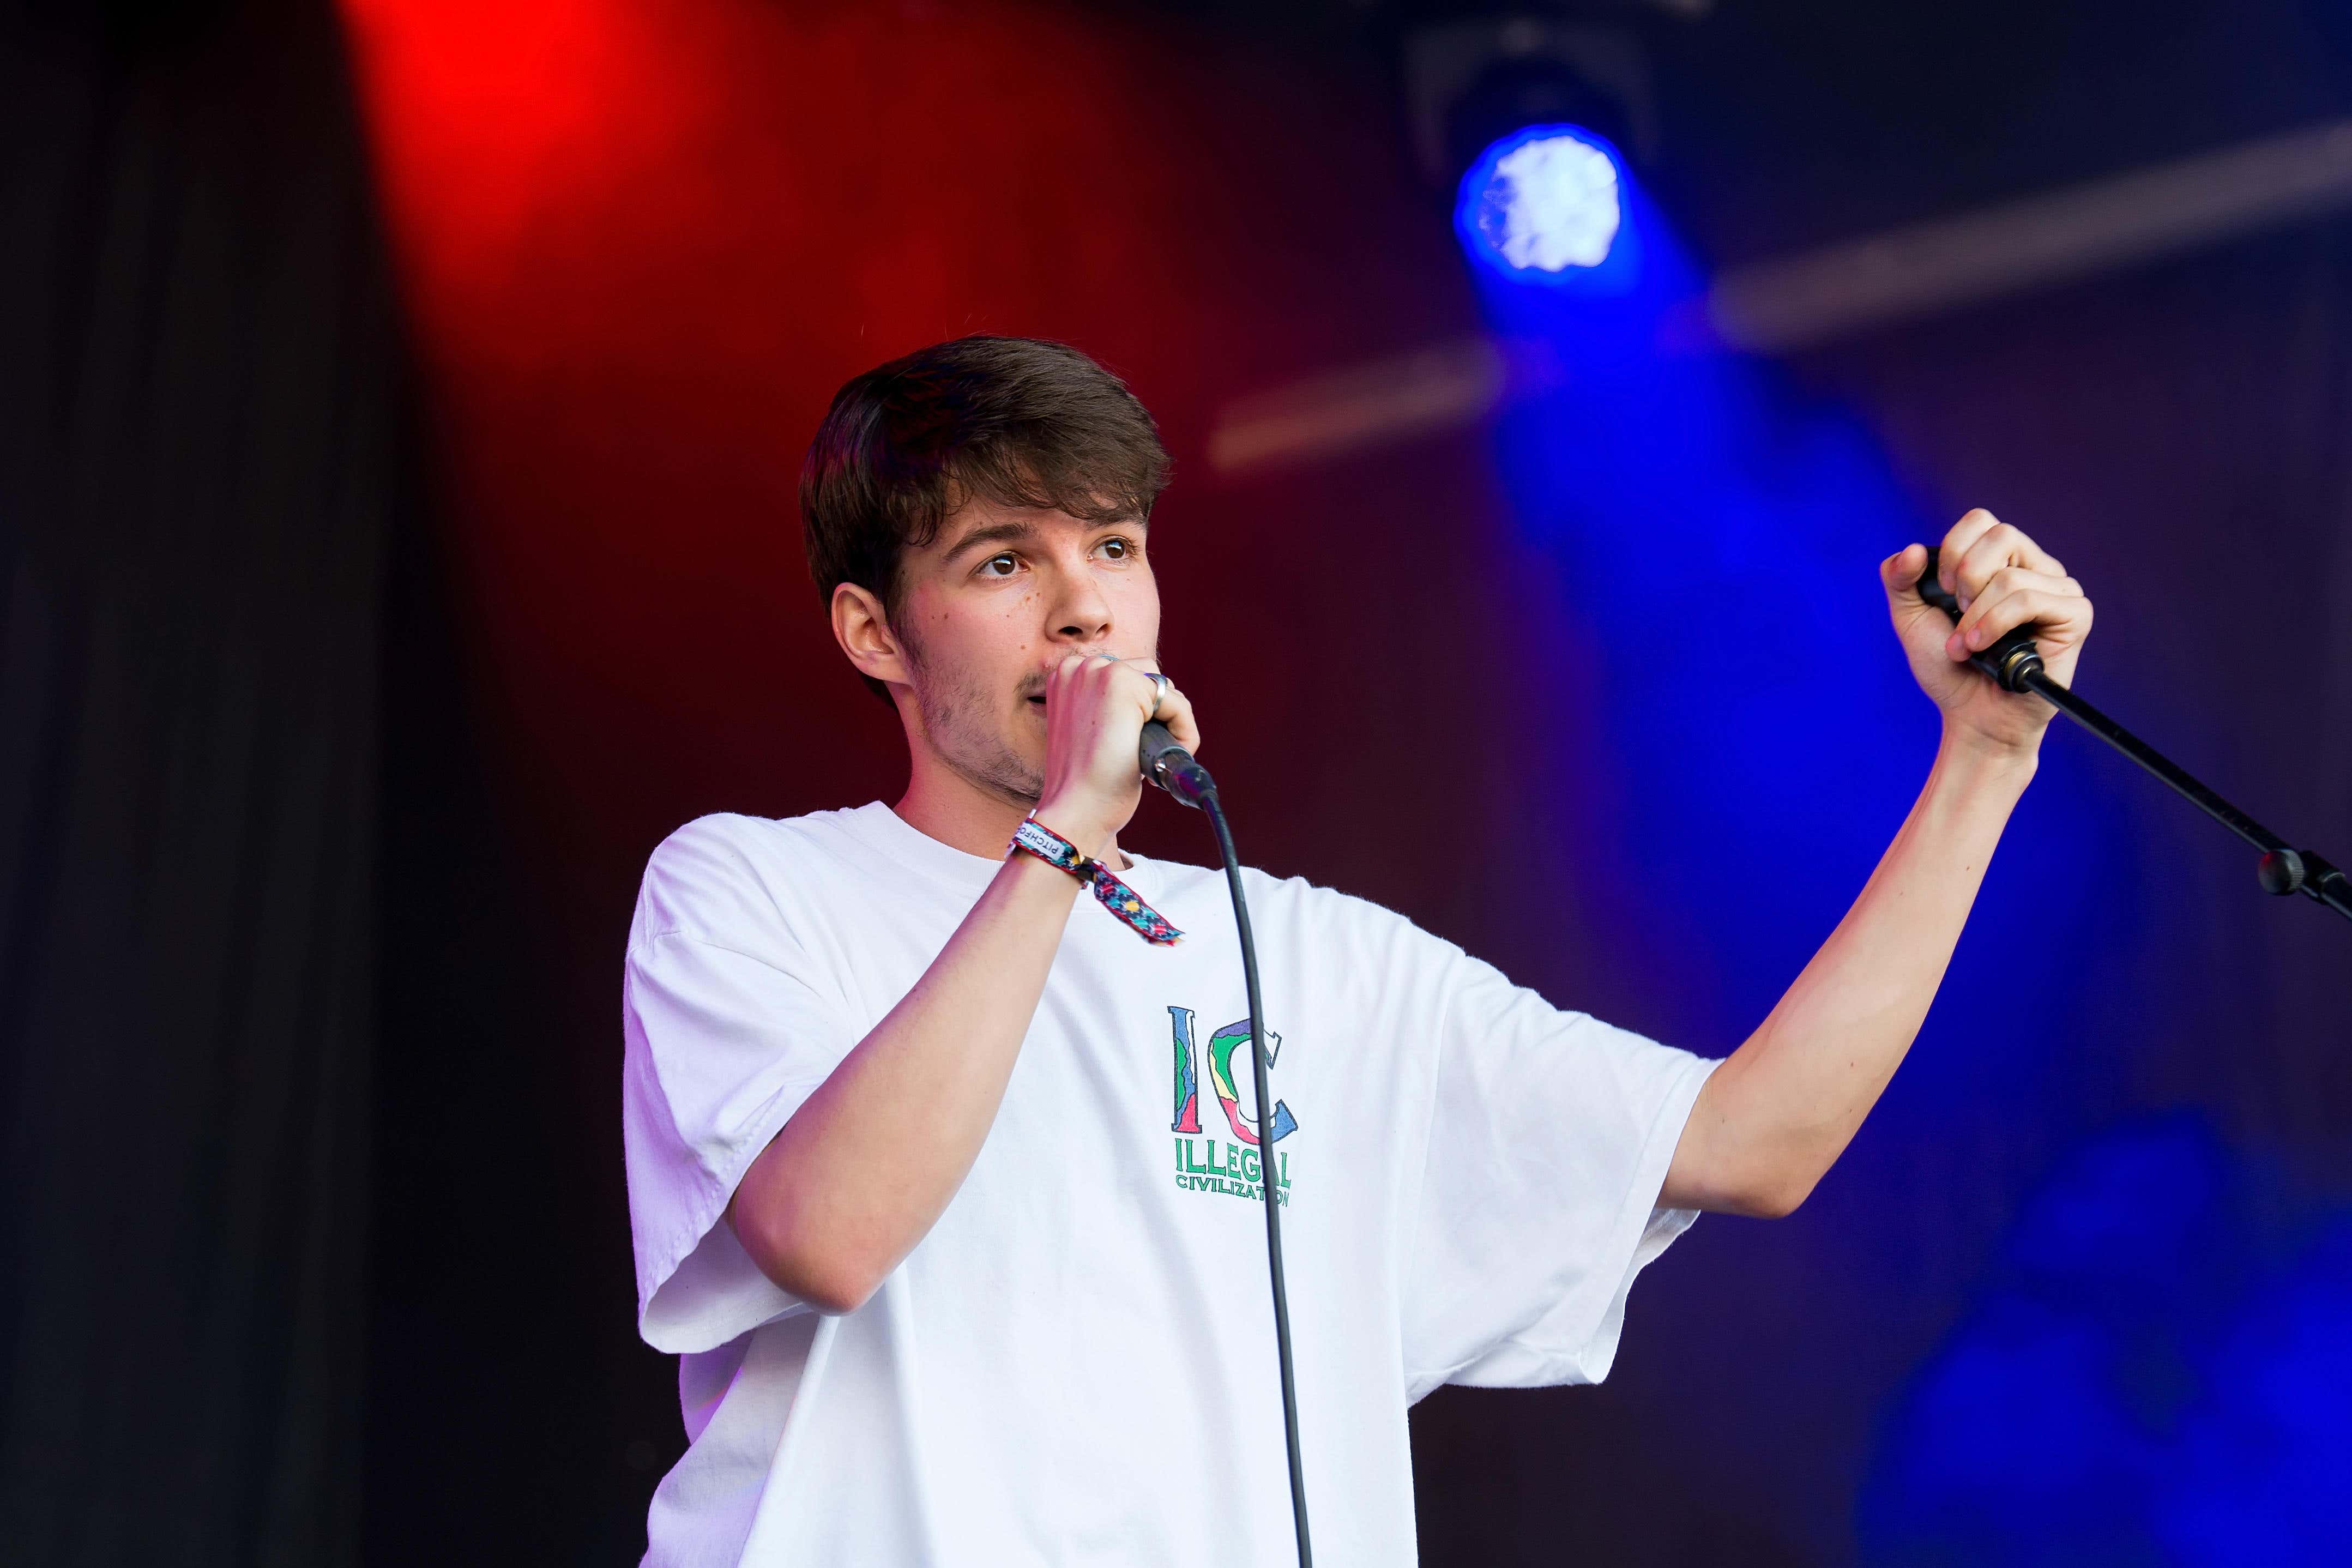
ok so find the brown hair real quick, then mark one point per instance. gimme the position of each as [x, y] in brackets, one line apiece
[1015, 420]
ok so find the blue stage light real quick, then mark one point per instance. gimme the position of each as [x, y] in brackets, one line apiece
[1547, 205]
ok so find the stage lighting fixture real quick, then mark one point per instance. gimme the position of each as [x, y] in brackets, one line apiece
[1545, 200]
[1470, 85]
[1527, 121]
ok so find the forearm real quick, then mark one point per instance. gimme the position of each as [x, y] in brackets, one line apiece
[862, 1170]
[1776, 1115]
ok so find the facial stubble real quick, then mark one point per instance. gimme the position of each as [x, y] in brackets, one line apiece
[960, 718]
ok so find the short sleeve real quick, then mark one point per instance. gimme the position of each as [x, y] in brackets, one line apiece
[1549, 1140]
[722, 1046]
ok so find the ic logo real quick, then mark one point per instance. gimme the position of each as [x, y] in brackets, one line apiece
[1221, 1046]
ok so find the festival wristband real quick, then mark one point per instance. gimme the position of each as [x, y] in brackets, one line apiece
[1113, 894]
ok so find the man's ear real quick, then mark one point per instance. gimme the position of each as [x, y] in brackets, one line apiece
[864, 635]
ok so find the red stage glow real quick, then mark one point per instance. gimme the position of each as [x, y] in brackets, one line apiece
[641, 243]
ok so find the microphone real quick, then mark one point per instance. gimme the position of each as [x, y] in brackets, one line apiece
[1172, 767]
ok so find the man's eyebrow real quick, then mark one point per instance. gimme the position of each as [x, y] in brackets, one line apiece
[995, 532]
[987, 533]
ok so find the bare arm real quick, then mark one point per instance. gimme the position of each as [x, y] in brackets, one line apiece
[862, 1170]
[865, 1167]
[1775, 1116]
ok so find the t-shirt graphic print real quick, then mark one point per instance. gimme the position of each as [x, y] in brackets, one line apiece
[1196, 1158]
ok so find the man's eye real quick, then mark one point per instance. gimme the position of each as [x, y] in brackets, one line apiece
[1117, 548]
[989, 566]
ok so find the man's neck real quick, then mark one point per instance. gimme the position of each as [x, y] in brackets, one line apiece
[943, 804]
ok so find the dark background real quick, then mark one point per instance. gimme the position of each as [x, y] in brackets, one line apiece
[400, 407]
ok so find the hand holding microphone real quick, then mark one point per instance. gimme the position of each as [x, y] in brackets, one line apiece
[1097, 706]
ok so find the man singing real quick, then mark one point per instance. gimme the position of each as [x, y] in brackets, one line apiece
[944, 1169]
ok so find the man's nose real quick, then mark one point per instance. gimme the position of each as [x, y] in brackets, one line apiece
[1079, 613]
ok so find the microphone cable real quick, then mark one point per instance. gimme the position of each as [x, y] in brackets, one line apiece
[1173, 769]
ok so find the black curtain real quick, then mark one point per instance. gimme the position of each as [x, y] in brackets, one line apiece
[202, 452]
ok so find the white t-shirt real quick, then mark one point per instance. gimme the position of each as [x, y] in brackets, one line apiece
[1077, 1364]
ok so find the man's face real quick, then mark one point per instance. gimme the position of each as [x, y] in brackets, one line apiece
[992, 605]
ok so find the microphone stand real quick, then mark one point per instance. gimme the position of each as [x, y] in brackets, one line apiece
[2015, 664]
